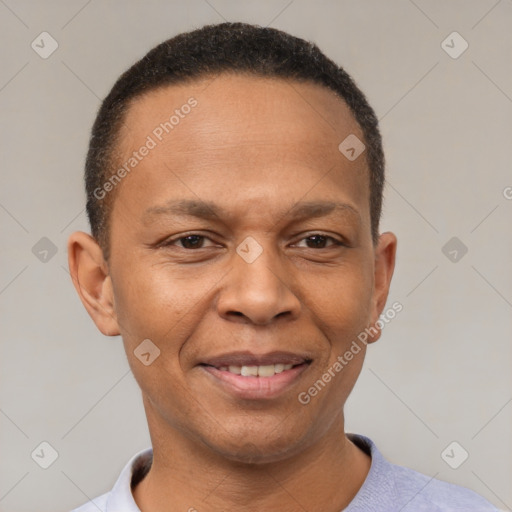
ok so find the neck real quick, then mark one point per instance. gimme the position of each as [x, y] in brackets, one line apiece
[185, 475]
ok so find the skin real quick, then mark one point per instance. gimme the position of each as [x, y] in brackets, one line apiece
[256, 148]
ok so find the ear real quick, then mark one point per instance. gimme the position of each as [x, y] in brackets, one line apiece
[89, 272]
[385, 253]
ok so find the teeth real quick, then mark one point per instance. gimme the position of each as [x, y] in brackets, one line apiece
[249, 371]
[278, 368]
[268, 370]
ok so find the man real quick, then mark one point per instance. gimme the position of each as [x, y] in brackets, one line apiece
[234, 188]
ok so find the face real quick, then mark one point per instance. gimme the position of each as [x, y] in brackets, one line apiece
[241, 247]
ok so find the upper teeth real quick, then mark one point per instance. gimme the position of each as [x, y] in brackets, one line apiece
[267, 370]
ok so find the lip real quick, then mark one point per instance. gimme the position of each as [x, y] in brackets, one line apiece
[255, 388]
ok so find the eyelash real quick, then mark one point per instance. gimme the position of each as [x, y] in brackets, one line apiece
[171, 242]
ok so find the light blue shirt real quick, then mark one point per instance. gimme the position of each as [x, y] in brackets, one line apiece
[387, 488]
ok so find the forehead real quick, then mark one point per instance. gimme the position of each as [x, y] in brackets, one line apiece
[244, 109]
[258, 137]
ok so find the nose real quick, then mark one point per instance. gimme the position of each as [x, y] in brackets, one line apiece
[258, 292]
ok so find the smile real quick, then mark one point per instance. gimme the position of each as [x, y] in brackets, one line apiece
[253, 377]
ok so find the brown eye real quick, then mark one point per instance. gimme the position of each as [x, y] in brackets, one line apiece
[318, 241]
[189, 242]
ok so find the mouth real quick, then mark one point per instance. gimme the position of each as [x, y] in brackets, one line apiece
[253, 377]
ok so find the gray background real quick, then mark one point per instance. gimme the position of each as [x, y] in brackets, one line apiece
[442, 370]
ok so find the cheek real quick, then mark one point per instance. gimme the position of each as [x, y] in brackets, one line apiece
[151, 307]
[150, 303]
[341, 301]
[154, 303]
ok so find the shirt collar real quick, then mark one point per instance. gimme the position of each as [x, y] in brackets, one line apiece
[121, 499]
[378, 491]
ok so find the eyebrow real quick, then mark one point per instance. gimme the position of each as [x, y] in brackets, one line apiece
[209, 210]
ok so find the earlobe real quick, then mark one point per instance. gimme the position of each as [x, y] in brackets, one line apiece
[385, 254]
[89, 272]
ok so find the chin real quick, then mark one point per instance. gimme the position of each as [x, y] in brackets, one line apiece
[255, 445]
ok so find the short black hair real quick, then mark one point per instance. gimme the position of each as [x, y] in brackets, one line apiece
[211, 50]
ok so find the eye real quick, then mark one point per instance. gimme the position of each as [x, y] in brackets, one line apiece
[193, 241]
[318, 241]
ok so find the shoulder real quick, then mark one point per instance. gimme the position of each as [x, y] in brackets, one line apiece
[421, 492]
[95, 505]
[389, 487]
